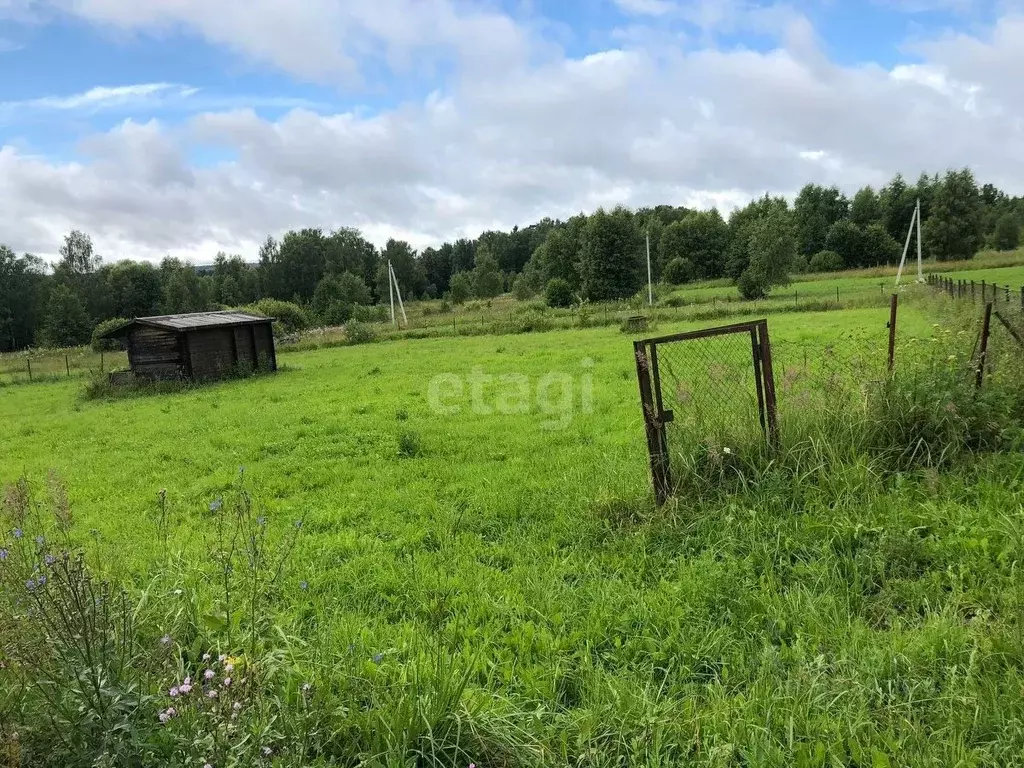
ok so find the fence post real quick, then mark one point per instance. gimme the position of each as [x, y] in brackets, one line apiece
[29, 361]
[768, 376]
[1007, 294]
[972, 290]
[893, 305]
[660, 474]
[67, 366]
[1022, 297]
[101, 361]
[837, 294]
[983, 354]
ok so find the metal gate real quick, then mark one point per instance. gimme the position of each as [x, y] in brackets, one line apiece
[709, 385]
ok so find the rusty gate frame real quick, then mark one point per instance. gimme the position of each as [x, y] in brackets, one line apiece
[655, 414]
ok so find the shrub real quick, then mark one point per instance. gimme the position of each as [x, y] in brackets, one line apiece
[800, 264]
[826, 261]
[678, 271]
[107, 345]
[461, 287]
[359, 333]
[558, 293]
[291, 318]
[374, 313]
[751, 285]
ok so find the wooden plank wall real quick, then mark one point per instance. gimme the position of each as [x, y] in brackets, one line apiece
[213, 352]
[265, 353]
[155, 353]
[245, 343]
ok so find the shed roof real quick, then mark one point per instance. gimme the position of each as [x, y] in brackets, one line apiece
[193, 321]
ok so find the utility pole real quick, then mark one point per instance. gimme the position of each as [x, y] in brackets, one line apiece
[650, 289]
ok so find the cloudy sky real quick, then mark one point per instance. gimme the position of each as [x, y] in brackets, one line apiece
[192, 126]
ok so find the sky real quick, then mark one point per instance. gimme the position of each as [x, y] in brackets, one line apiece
[187, 127]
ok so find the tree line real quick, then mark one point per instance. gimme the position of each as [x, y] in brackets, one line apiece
[334, 276]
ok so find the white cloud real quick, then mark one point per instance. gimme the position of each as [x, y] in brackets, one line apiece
[102, 97]
[500, 146]
[646, 7]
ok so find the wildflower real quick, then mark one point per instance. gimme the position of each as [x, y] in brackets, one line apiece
[49, 559]
[215, 505]
[303, 585]
[177, 592]
[165, 640]
[186, 687]
[236, 706]
[227, 682]
[261, 521]
[30, 585]
[40, 540]
[222, 658]
[17, 533]
[298, 523]
[229, 668]
[267, 751]
[207, 765]
[40, 580]
[3, 555]
[378, 658]
[209, 674]
[727, 451]
[211, 695]
[167, 714]
[206, 657]
[306, 687]
[174, 692]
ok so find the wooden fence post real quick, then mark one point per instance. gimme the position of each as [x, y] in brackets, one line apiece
[67, 366]
[986, 326]
[893, 304]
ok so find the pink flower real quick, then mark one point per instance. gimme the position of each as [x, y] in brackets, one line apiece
[188, 681]
[229, 668]
[227, 682]
[211, 694]
[186, 687]
[209, 674]
[174, 692]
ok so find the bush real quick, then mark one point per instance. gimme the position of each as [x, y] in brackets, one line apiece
[826, 261]
[558, 293]
[751, 285]
[461, 288]
[800, 264]
[107, 345]
[409, 445]
[678, 271]
[291, 318]
[376, 313]
[360, 333]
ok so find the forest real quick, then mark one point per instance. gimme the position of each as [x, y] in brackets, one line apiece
[332, 275]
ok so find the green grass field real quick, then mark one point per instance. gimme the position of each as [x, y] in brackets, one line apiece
[845, 617]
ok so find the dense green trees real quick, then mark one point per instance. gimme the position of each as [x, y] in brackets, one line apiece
[596, 257]
[611, 261]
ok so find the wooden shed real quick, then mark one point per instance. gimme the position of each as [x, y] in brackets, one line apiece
[199, 346]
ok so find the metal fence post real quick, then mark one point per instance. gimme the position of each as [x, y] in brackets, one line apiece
[983, 354]
[893, 305]
[67, 366]
[768, 375]
[656, 448]
[28, 360]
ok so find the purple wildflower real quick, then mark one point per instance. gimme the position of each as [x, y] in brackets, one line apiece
[40, 540]
[17, 533]
[216, 505]
[209, 674]
[298, 523]
[174, 692]
[229, 668]
[40, 580]
[49, 559]
[261, 521]
[227, 682]
[378, 658]
[211, 694]
[303, 585]
[186, 687]
[3, 555]
[30, 585]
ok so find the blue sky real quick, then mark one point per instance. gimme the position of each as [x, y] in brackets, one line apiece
[186, 127]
